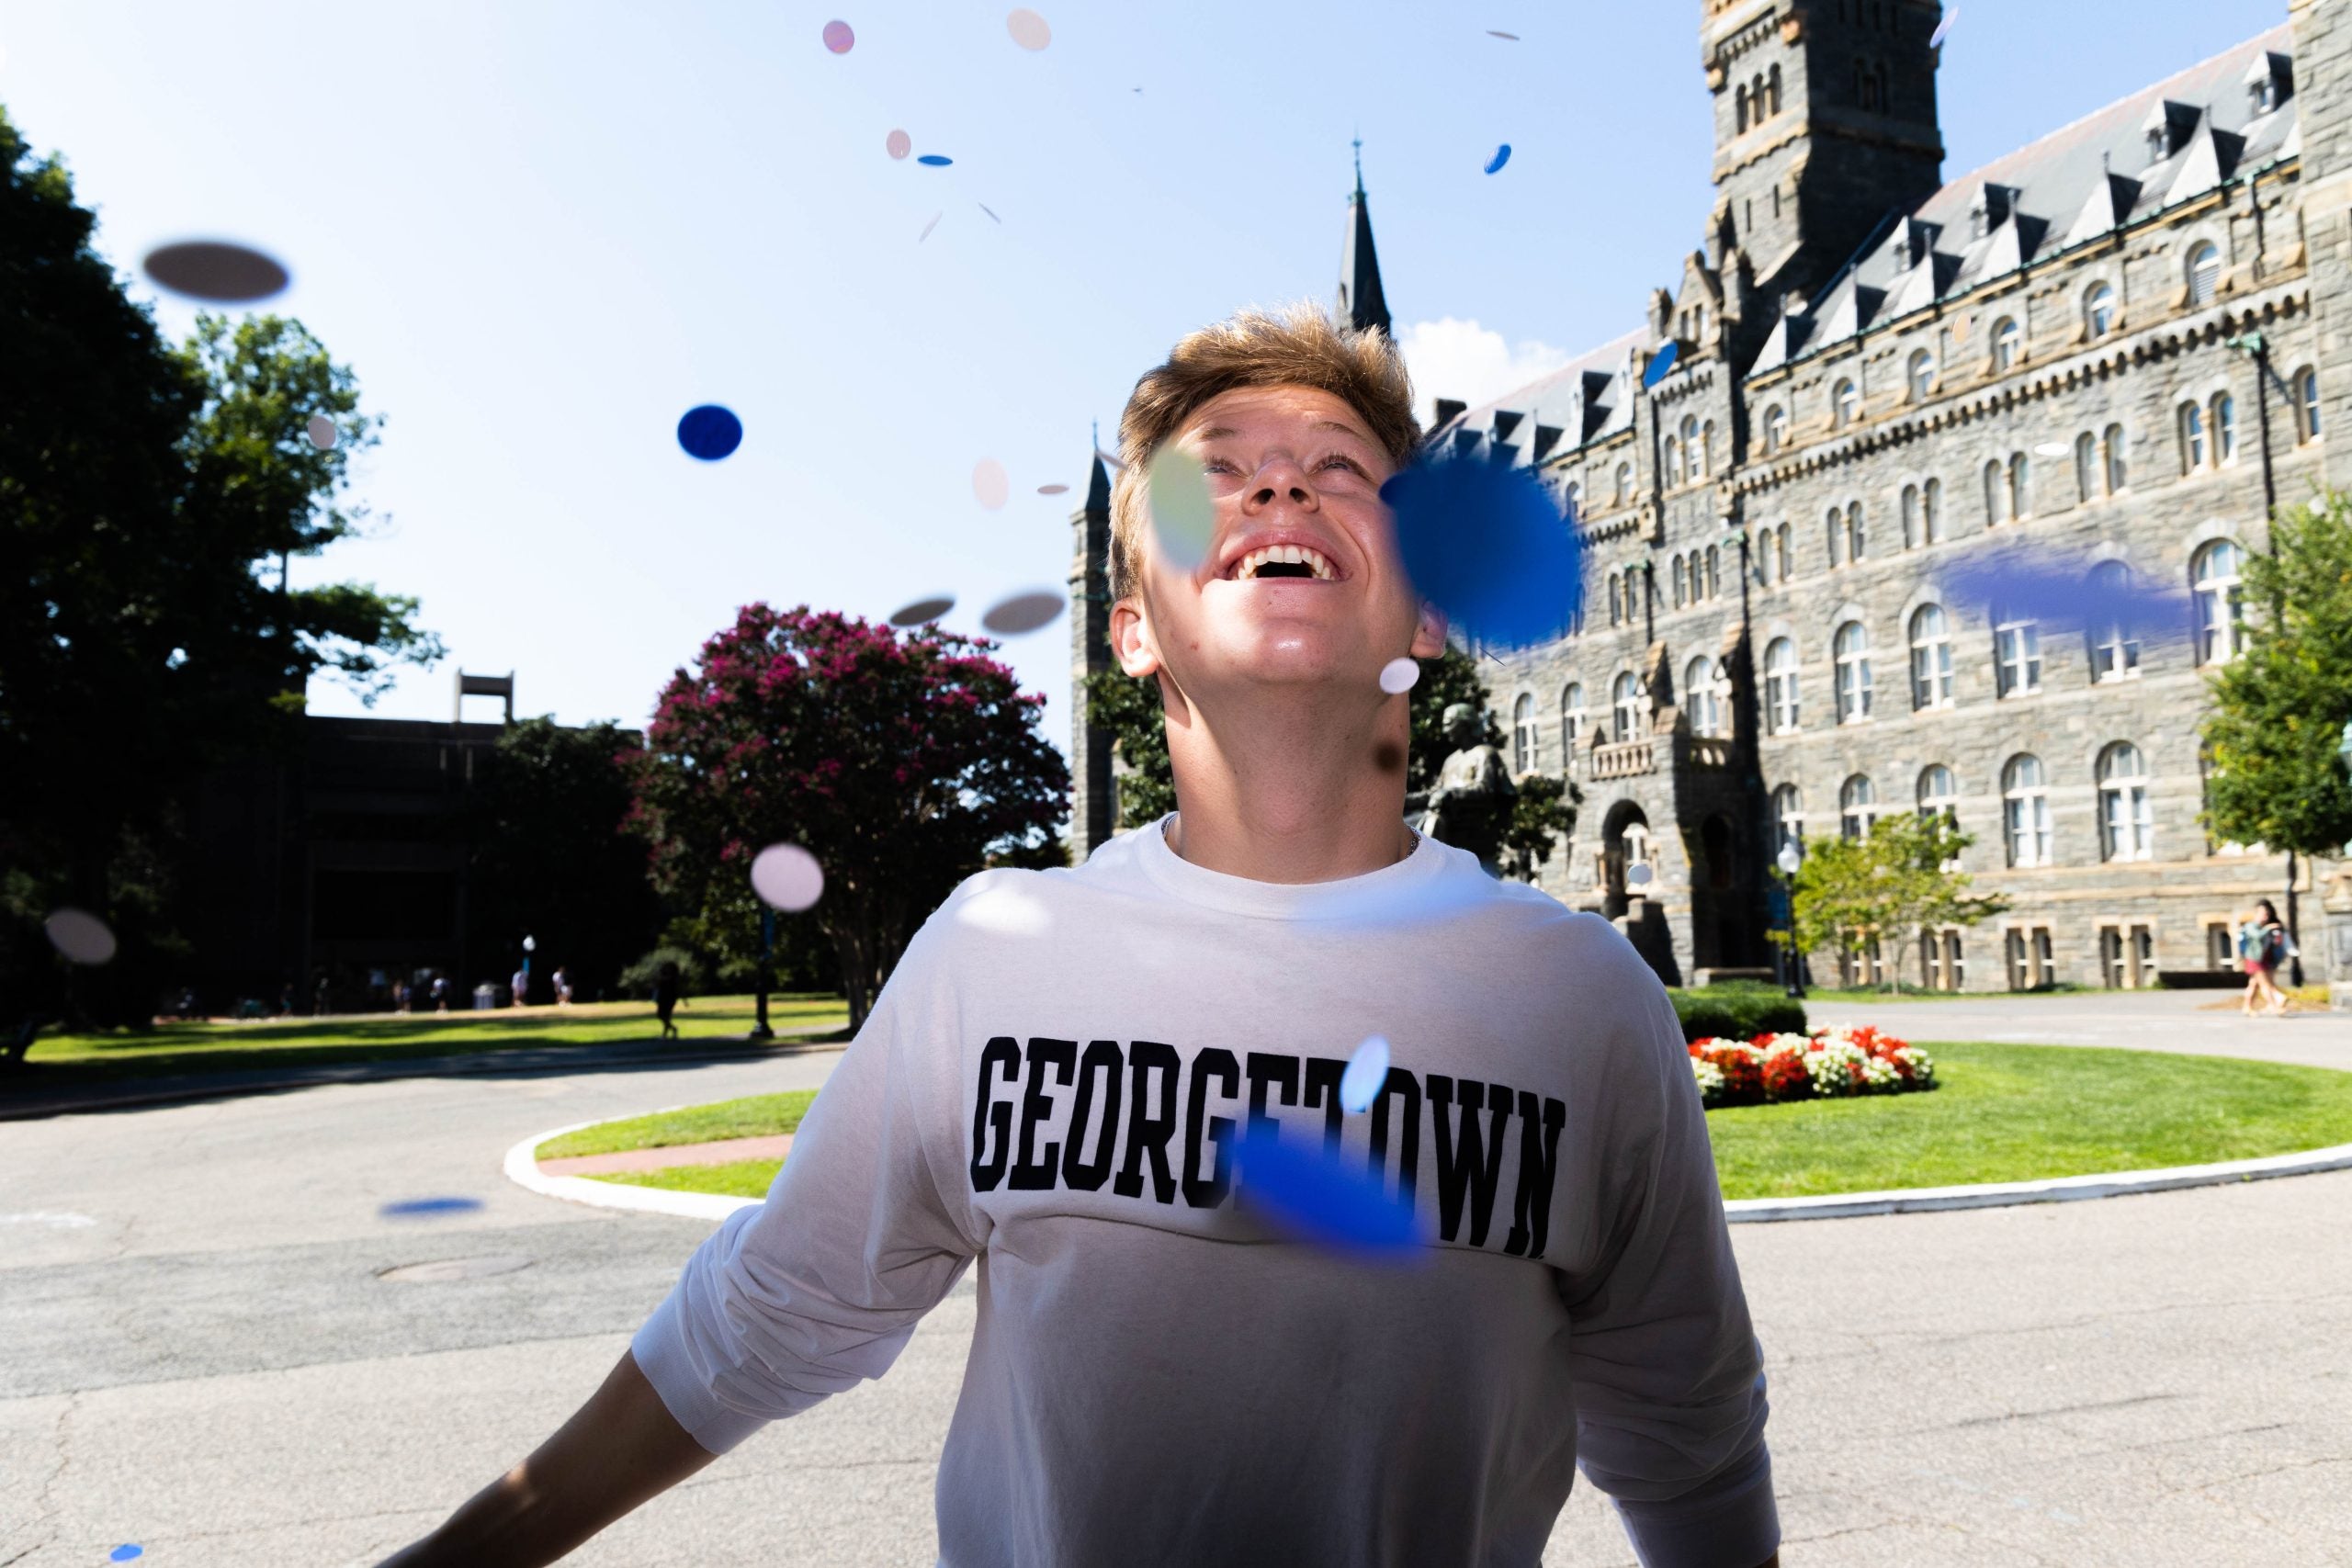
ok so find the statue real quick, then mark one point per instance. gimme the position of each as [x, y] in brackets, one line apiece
[1471, 806]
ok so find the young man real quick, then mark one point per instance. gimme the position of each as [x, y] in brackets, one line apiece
[1057, 1077]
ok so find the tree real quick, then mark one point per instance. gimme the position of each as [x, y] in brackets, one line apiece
[146, 493]
[1901, 877]
[1543, 815]
[901, 762]
[2282, 704]
[550, 860]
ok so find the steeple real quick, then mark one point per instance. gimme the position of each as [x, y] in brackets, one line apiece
[1362, 303]
[1093, 800]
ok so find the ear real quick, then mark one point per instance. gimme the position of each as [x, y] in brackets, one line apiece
[1428, 632]
[1131, 638]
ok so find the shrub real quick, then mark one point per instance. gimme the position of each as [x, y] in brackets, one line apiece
[1737, 1013]
[637, 980]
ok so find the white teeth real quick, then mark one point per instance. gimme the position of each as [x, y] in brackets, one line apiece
[1284, 555]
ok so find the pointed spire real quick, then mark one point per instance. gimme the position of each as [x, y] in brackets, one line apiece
[1362, 305]
[1098, 482]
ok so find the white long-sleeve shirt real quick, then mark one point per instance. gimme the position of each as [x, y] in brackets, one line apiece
[1054, 1082]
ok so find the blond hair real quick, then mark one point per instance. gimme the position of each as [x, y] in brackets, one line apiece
[1298, 346]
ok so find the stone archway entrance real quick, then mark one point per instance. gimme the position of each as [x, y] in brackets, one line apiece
[1625, 843]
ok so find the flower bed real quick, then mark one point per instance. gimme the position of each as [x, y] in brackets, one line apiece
[1828, 1064]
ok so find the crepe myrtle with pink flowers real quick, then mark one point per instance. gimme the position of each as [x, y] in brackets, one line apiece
[903, 760]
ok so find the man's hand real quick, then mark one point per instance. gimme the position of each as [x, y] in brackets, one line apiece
[620, 1448]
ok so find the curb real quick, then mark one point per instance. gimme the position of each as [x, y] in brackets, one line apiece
[2059, 1189]
[426, 1067]
[523, 1170]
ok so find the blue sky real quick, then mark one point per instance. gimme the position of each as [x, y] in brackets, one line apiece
[541, 232]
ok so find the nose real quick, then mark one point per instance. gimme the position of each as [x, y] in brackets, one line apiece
[1278, 479]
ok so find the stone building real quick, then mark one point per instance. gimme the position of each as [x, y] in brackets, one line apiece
[2102, 353]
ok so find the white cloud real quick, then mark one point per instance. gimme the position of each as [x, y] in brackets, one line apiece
[1451, 358]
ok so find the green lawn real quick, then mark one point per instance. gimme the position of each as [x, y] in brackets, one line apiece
[58, 1058]
[2023, 1112]
[2005, 1113]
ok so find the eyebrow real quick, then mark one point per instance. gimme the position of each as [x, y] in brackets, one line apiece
[1220, 431]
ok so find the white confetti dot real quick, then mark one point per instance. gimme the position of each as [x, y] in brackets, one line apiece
[1367, 1072]
[991, 484]
[1399, 676]
[322, 432]
[787, 878]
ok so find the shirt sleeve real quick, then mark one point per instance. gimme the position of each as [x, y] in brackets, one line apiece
[1670, 1377]
[820, 1285]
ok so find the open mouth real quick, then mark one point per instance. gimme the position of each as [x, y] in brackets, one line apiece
[1284, 560]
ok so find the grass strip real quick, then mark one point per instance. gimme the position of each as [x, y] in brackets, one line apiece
[753, 1116]
[739, 1179]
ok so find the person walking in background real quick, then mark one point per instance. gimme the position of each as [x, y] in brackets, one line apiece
[319, 996]
[665, 997]
[2264, 945]
[400, 994]
[521, 986]
[440, 993]
[562, 982]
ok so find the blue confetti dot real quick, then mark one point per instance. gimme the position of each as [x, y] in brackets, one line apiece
[1309, 1190]
[1502, 156]
[1661, 363]
[1486, 545]
[2066, 593]
[936, 160]
[124, 1553]
[415, 1206]
[709, 433]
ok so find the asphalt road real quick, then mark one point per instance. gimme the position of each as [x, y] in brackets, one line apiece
[213, 1369]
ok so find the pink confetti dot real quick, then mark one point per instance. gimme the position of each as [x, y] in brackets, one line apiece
[838, 37]
[898, 144]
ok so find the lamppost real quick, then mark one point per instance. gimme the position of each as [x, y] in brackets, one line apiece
[530, 945]
[760, 1030]
[1785, 915]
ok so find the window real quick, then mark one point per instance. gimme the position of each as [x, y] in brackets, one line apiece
[2306, 389]
[1772, 94]
[2204, 273]
[1851, 651]
[2111, 447]
[1930, 659]
[2025, 811]
[1931, 512]
[2031, 967]
[1625, 707]
[2086, 468]
[1910, 517]
[1616, 599]
[1837, 535]
[2008, 340]
[2115, 641]
[2098, 310]
[2016, 654]
[2192, 438]
[1845, 405]
[2225, 428]
[1780, 686]
[1920, 375]
[1715, 570]
[2020, 485]
[1996, 495]
[2127, 825]
[1524, 757]
[1776, 430]
[1856, 808]
[1739, 107]
[1625, 483]
[1706, 450]
[2126, 955]
[2214, 578]
[1939, 793]
[1700, 698]
[1571, 721]
[1941, 967]
[1781, 549]
[1682, 581]
[1788, 820]
[1673, 463]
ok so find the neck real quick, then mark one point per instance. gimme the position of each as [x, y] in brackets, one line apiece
[1295, 789]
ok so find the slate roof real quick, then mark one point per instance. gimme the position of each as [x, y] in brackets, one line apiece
[1588, 398]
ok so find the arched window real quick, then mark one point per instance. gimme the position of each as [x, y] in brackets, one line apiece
[1836, 535]
[1776, 430]
[1739, 99]
[1700, 698]
[1571, 502]
[2025, 810]
[2017, 653]
[1706, 463]
[1931, 512]
[2098, 310]
[1939, 794]
[1931, 658]
[2192, 438]
[2009, 341]
[2214, 577]
[1780, 686]
[1856, 808]
[1852, 653]
[1845, 405]
[2225, 428]
[2020, 485]
[1910, 517]
[1781, 548]
[1857, 541]
[2204, 273]
[1920, 375]
[2112, 446]
[1788, 820]
[1673, 463]
[1714, 571]
[2306, 388]
[2115, 641]
[1682, 582]
[2127, 825]
[1523, 755]
[1571, 721]
[1996, 495]
[1625, 483]
[2087, 468]
[1625, 707]
[1772, 92]
[1616, 599]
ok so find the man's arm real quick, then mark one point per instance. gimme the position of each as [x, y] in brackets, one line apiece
[620, 1448]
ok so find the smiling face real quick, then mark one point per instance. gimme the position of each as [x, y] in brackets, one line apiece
[1301, 582]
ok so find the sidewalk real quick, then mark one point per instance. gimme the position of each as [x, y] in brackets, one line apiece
[18, 1103]
[2181, 1021]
